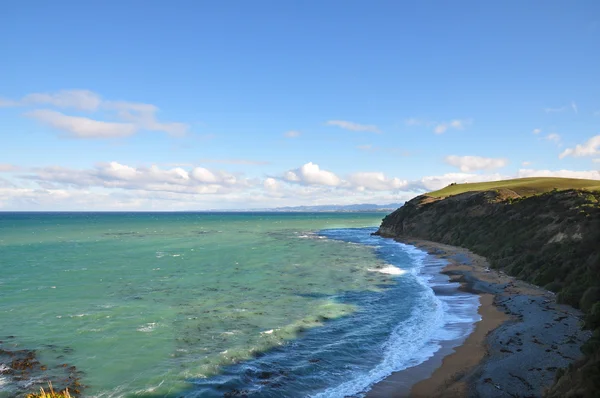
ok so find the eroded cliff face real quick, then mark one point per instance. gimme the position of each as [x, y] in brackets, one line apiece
[423, 214]
[551, 240]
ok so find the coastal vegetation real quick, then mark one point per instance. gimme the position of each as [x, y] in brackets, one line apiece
[23, 368]
[50, 393]
[542, 230]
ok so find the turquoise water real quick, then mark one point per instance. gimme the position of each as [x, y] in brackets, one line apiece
[193, 304]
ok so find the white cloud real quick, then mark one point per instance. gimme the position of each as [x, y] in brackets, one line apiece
[271, 184]
[596, 160]
[131, 116]
[311, 174]
[115, 175]
[118, 171]
[589, 148]
[292, 134]
[375, 181]
[473, 163]
[127, 187]
[204, 175]
[574, 107]
[553, 137]
[114, 186]
[353, 126]
[537, 131]
[82, 127]
[524, 164]
[79, 99]
[591, 174]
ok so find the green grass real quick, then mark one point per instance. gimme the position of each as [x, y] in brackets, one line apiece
[522, 186]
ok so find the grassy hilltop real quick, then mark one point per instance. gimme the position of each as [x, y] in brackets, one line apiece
[542, 230]
[521, 186]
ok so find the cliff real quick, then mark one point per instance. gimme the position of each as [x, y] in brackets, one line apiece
[551, 239]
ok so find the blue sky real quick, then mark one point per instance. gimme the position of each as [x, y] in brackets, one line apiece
[206, 105]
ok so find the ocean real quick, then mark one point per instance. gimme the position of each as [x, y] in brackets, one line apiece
[219, 304]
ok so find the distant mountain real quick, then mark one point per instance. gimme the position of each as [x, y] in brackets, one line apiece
[341, 208]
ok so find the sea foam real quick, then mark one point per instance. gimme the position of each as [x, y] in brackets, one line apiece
[390, 270]
[419, 337]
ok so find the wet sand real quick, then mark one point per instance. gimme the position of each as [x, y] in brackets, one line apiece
[514, 350]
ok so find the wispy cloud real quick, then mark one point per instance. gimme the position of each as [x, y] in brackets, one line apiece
[454, 124]
[144, 117]
[572, 106]
[526, 163]
[553, 137]
[79, 99]
[346, 125]
[292, 134]
[4, 102]
[537, 131]
[413, 121]
[472, 163]
[555, 110]
[132, 116]
[439, 127]
[84, 100]
[82, 127]
[367, 147]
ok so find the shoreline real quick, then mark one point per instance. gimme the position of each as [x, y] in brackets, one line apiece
[523, 337]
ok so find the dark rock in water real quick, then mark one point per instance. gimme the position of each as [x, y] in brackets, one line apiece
[24, 374]
[264, 375]
[236, 393]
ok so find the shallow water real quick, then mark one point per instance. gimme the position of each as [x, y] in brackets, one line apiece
[200, 304]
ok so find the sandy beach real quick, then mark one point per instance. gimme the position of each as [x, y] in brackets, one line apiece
[523, 337]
